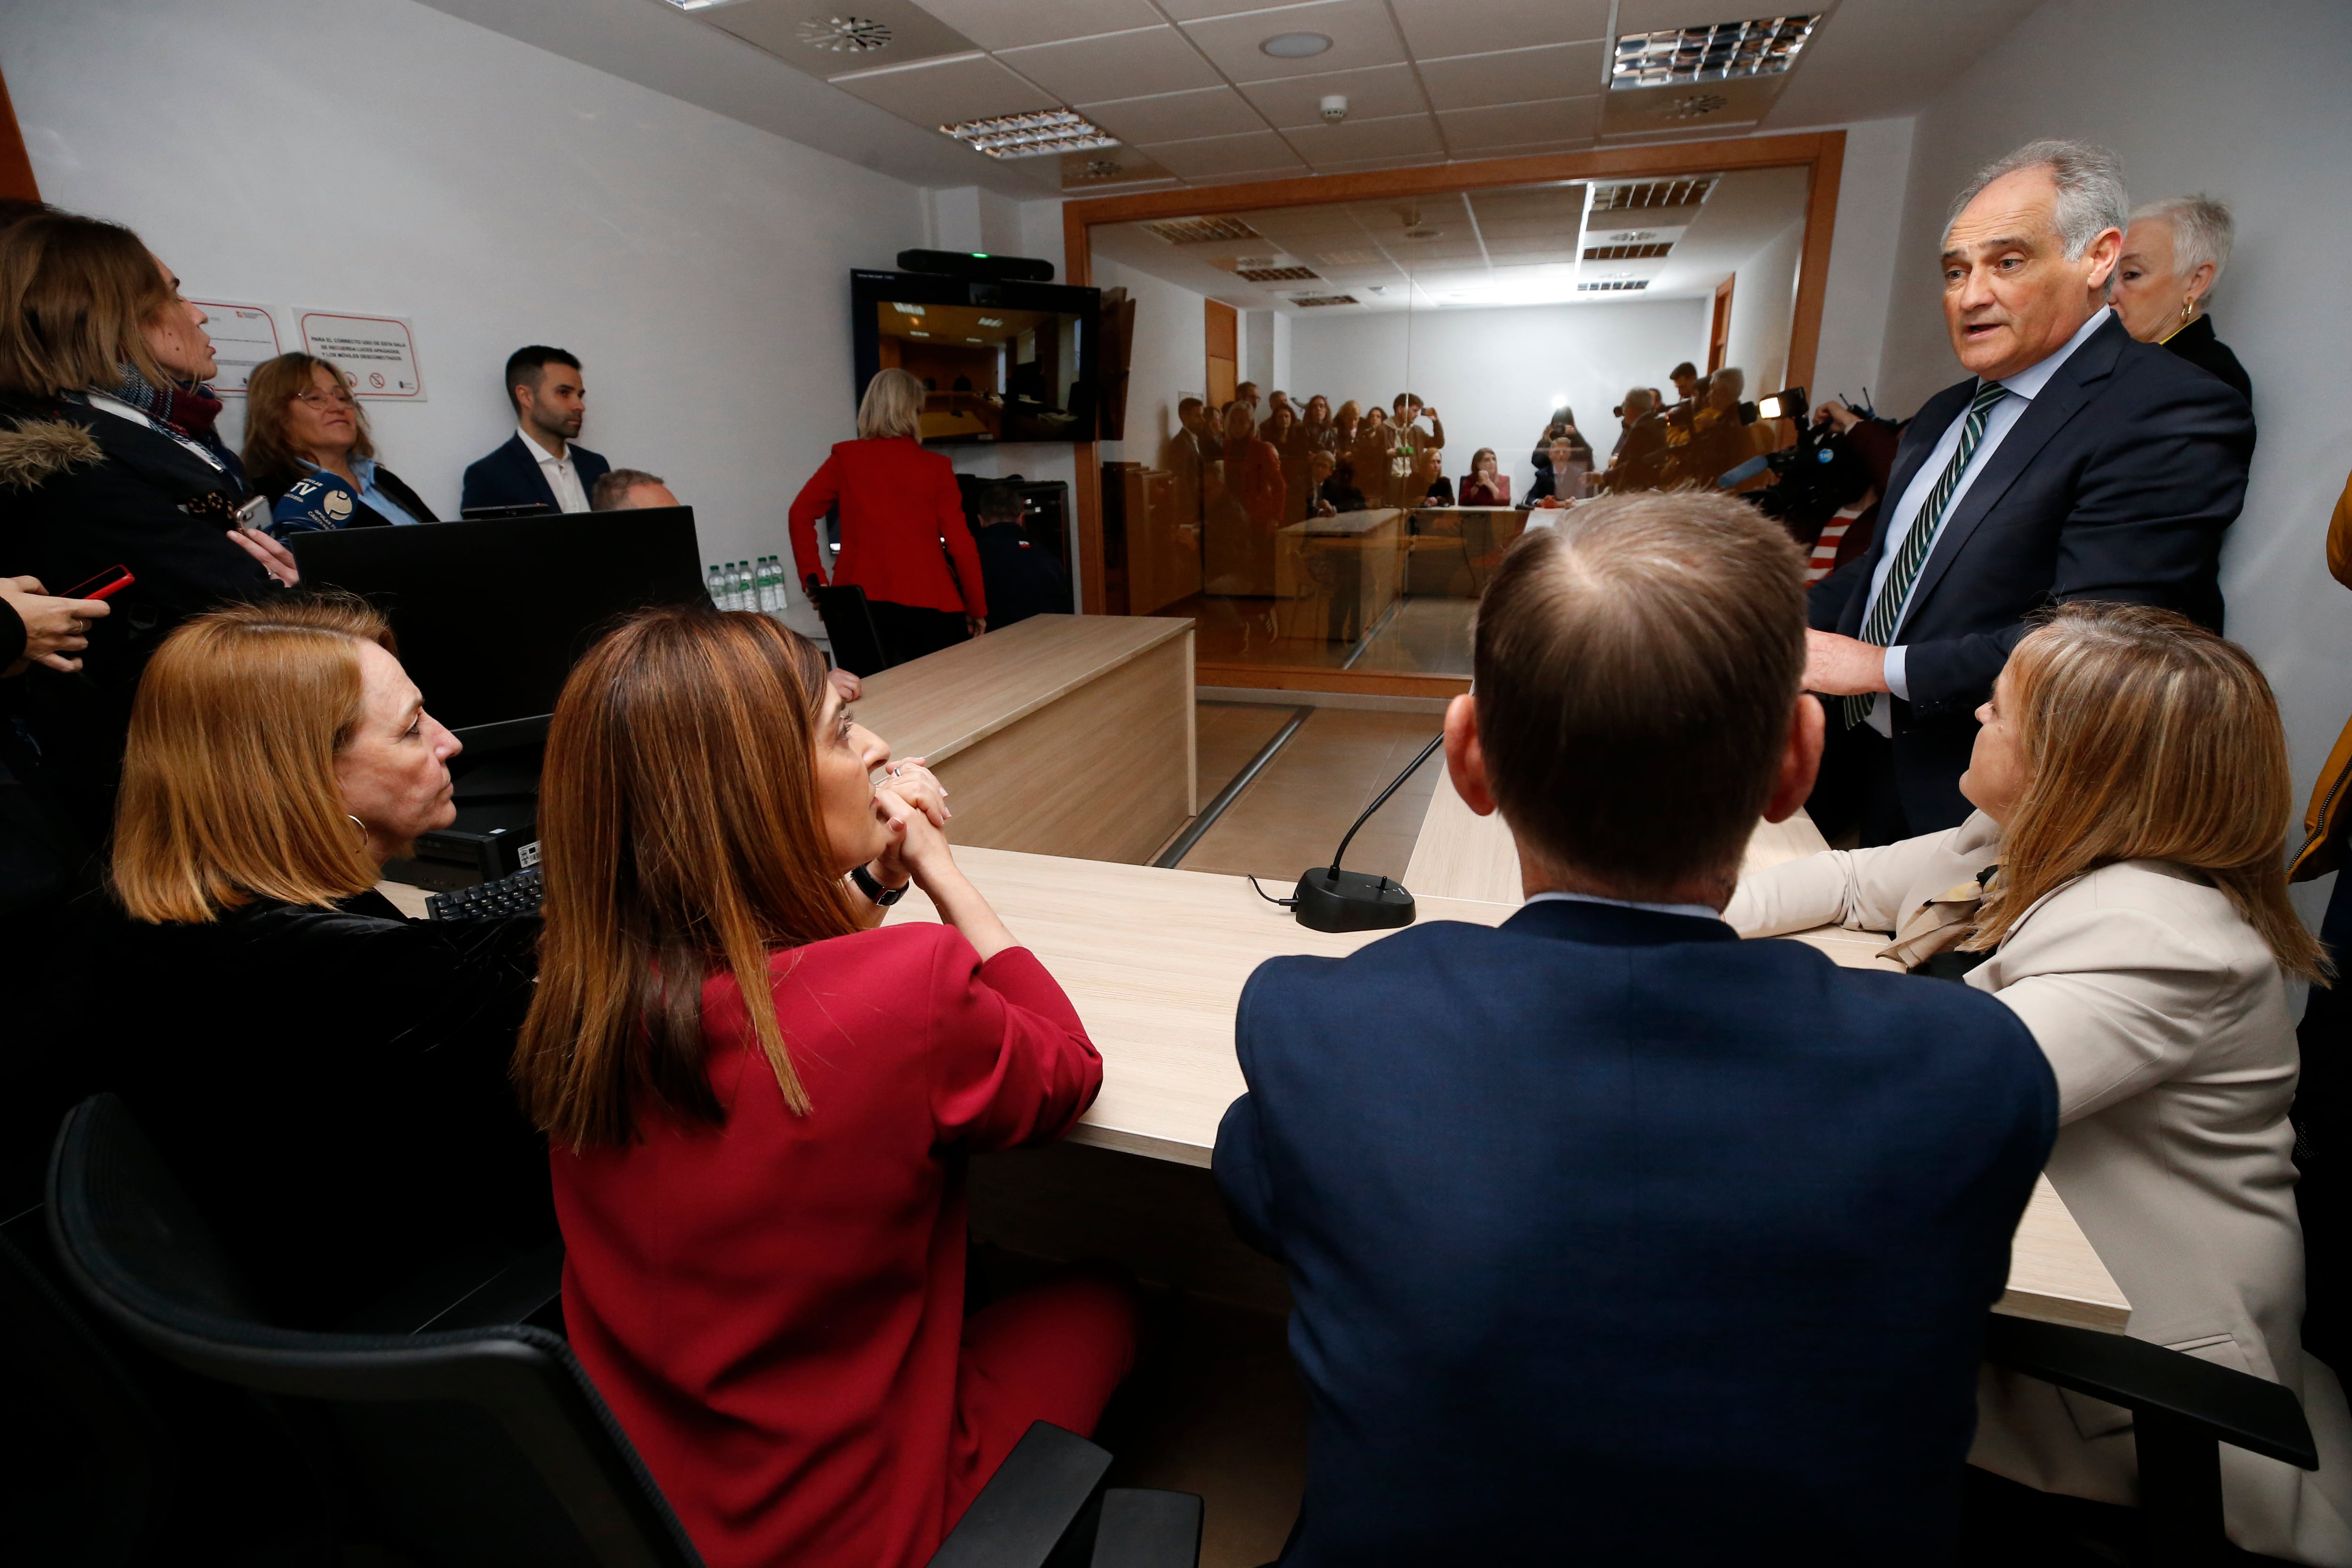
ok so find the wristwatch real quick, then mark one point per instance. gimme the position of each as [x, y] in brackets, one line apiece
[875, 891]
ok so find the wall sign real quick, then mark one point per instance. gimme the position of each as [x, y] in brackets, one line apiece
[377, 353]
[243, 336]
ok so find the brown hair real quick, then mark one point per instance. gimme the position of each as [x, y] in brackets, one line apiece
[1636, 667]
[613, 487]
[2147, 737]
[269, 454]
[228, 779]
[679, 814]
[74, 294]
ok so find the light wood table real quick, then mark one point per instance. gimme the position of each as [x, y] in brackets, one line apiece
[1067, 733]
[1462, 855]
[1349, 568]
[1155, 962]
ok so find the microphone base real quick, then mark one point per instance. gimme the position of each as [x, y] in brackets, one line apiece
[1351, 901]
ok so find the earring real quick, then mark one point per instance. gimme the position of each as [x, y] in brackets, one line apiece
[355, 822]
[2188, 308]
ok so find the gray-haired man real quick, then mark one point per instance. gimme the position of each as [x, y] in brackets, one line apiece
[2074, 463]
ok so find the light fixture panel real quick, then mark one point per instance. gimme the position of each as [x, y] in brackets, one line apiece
[1038, 134]
[1719, 51]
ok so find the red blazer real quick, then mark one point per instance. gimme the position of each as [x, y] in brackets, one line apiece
[1254, 475]
[772, 1308]
[897, 501]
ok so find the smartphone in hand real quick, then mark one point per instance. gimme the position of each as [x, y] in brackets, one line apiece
[106, 584]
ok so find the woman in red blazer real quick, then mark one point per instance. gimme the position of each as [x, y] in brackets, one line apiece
[762, 1205]
[899, 503]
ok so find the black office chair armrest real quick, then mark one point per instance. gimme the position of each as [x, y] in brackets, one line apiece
[1029, 1504]
[2232, 1407]
[480, 1288]
[1142, 1528]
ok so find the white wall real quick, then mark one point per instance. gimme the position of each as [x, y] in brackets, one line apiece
[375, 155]
[1864, 250]
[1493, 374]
[1169, 361]
[1763, 304]
[2255, 116]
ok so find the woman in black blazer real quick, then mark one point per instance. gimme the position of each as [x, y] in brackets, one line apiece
[308, 449]
[2172, 256]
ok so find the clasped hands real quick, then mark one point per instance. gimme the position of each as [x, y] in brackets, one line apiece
[912, 804]
[1843, 667]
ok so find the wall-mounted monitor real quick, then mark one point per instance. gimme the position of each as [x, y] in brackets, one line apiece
[999, 360]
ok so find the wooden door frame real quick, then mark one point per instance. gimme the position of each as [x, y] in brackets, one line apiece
[1718, 329]
[1821, 153]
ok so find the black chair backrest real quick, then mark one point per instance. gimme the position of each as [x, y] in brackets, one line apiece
[849, 627]
[478, 1446]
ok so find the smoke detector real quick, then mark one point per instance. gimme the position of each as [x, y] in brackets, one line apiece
[1335, 107]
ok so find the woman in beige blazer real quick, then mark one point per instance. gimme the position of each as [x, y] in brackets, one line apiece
[2132, 789]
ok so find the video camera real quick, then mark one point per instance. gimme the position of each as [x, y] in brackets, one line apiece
[1815, 477]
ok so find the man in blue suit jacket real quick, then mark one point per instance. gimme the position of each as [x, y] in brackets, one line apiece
[541, 464]
[1614, 1239]
[2074, 463]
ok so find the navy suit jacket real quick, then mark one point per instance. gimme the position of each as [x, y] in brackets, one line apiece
[511, 476]
[1615, 1238]
[2115, 484]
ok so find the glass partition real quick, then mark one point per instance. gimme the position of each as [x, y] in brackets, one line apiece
[1339, 416]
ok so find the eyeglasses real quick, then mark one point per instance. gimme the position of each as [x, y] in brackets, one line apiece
[324, 399]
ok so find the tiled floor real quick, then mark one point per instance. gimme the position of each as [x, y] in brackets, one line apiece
[1293, 815]
[1230, 734]
[1428, 635]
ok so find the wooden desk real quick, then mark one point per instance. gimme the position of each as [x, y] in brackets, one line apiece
[1462, 855]
[1334, 573]
[1155, 961]
[1067, 733]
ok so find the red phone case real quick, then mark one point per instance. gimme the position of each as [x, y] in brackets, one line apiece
[84, 591]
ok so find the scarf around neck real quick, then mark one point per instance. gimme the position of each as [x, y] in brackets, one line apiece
[190, 410]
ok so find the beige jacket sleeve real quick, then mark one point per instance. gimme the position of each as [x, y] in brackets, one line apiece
[2119, 998]
[1861, 889]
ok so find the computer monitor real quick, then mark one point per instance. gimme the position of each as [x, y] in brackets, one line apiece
[491, 615]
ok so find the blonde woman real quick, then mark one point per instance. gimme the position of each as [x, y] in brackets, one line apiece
[327, 1079]
[904, 539]
[2132, 799]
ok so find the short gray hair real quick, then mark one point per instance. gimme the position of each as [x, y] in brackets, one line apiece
[2201, 231]
[893, 405]
[1737, 377]
[2090, 180]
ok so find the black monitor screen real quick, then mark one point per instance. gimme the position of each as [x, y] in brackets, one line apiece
[999, 362]
[491, 615]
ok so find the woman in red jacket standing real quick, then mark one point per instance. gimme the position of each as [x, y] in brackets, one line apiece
[903, 535]
[758, 1106]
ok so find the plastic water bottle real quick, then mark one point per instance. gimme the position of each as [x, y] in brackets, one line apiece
[777, 598]
[740, 586]
[764, 586]
[716, 580]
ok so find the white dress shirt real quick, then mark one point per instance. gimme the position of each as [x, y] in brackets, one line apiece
[2024, 388]
[561, 477]
[1695, 911]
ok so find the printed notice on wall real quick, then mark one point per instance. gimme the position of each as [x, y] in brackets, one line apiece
[376, 353]
[243, 336]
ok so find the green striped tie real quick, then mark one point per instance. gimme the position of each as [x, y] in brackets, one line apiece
[1879, 629]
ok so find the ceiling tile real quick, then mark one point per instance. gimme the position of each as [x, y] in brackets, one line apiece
[1439, 29]
[1240, 176]
[1193, 10]
[1176, 116]
[1405, 136]
[1148, 60]
[1009, 23]
[1359, 32]
[1373, 93]
[776, 26]
[943, 92]
[1515, 76]
[1562, 120]
[1226, 154]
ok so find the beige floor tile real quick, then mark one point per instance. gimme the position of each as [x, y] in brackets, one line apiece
[1230, 734]
[1293, 815]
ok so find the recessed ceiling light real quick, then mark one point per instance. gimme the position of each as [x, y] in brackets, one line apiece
[992, 322]
[974, 340]
[907, 310]
[1295, 45]
[1765, 47]
[916, 334]
[1033, 135]
[846, 34]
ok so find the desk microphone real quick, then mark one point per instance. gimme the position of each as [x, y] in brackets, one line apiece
[1328, 899]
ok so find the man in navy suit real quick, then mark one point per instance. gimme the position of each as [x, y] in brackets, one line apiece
[540, 465]
[1614, 1239]
[2074, 463]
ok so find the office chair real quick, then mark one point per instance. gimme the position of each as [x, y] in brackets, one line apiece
[2183, 1410]
[486, 1444]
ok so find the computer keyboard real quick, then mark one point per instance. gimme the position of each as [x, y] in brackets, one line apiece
[516, 895]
